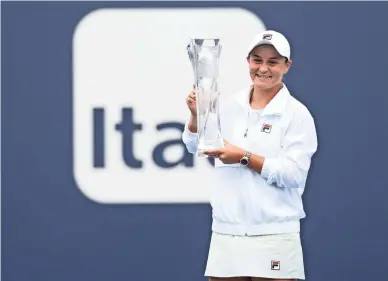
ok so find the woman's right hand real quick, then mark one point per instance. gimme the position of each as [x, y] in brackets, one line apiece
[191, 102]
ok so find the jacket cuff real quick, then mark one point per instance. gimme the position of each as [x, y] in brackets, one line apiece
[189, 135]
[268, 169]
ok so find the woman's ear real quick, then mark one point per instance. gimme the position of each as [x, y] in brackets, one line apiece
[288, 65]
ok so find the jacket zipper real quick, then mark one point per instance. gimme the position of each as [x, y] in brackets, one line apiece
[246, 130]
[245, 221]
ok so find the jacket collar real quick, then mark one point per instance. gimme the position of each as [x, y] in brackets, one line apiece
[274, 107]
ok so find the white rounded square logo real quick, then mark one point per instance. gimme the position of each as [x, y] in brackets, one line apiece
[131, 75]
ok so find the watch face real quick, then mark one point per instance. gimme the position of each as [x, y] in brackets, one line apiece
[244, 162]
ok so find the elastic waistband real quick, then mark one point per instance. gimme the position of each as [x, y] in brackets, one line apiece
[256, 229]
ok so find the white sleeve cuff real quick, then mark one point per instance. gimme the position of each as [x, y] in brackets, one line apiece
[190, 135]
[190, 140]
[267, 171]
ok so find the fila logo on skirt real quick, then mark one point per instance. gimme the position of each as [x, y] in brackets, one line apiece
[275, 265]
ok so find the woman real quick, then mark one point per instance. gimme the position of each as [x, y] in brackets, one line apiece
[260, 173]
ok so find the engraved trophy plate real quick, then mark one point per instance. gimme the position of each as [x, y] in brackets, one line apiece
[204, 55]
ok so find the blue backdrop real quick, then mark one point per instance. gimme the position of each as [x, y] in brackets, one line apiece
[50, 231]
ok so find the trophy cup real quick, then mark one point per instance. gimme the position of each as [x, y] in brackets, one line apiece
[204, 55]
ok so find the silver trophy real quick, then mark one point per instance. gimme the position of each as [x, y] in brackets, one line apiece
[204, 55]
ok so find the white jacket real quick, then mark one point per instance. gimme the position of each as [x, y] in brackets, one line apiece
[245, 202]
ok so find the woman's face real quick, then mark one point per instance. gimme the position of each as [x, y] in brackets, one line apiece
[267, 67]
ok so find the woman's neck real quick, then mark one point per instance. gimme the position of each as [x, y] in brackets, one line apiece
[261, 97]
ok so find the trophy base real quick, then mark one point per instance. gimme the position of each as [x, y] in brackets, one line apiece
[209, 145]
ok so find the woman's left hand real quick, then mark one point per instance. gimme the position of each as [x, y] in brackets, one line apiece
[229, 154]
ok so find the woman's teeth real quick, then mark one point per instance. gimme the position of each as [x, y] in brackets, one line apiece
[263, 76]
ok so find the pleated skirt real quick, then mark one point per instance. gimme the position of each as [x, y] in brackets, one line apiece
[276, 256]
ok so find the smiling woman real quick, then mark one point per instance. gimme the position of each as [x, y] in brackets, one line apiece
[262, 76]
[267, 66]
[260, 174]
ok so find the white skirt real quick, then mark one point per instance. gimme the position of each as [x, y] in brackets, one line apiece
[277, 256]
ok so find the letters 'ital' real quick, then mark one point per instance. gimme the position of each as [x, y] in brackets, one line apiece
[204, 55]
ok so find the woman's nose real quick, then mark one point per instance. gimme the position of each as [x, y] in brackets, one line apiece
[263, 69]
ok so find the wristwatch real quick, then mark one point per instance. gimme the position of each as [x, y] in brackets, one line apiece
[245, 160]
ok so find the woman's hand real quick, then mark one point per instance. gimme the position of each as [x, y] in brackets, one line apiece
[191, 102]
[230, 154]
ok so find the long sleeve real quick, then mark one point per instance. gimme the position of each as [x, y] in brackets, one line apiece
[190, 140]
[291, 168]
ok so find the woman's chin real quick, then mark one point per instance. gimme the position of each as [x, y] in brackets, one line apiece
[263, 85]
